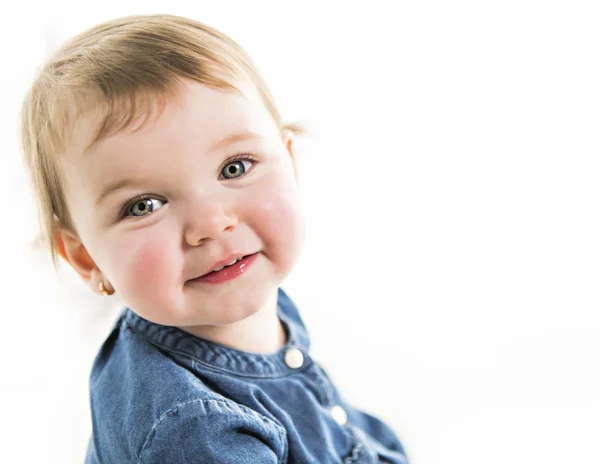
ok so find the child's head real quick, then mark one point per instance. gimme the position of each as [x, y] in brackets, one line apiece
[156, 152]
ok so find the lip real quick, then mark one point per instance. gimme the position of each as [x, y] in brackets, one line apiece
[224, 262]
[226, 274]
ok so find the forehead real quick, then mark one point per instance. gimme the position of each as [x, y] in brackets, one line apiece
[204, 114]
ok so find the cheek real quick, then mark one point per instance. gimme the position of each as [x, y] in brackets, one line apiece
[278, 218]
[143, 261]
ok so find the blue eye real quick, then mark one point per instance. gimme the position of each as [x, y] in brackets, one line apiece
[142, 207]
[236, 167]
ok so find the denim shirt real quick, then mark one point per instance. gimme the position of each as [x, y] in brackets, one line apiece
[161, 395]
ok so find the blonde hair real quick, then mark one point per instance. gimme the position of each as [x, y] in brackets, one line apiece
[119, 70]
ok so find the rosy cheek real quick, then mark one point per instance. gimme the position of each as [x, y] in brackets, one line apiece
[278, 216]
[145, 262]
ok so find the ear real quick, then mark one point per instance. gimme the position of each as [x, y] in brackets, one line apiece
[73, 251]
[289, 141]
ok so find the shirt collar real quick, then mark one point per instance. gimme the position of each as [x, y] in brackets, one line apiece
[215, 355]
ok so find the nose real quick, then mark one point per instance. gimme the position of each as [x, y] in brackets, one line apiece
[208, 221]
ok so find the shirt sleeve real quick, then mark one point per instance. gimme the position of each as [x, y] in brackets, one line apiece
[213, 432]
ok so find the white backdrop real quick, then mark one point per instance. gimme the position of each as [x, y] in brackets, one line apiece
[450, 276]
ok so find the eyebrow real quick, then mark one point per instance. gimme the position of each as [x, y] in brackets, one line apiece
[238, 137]
[111, 188]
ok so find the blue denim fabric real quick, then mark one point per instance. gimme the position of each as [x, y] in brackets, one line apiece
[160, 395]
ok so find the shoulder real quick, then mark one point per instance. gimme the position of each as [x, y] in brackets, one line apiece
[130, 371]
[132, 386]
[213, 431]
[146, 407]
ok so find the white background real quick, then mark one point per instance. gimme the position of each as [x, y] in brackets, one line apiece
[450, 277]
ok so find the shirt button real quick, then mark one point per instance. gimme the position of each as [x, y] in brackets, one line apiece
[339, 414]
[294, 358]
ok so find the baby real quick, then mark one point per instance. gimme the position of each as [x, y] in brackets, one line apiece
[164, 173]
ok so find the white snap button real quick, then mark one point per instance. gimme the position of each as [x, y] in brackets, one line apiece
[339, 414]
[294, 358]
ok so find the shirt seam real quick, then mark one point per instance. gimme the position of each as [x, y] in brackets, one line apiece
[246, 410]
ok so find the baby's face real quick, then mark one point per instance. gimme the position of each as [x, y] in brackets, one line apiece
[198, 207]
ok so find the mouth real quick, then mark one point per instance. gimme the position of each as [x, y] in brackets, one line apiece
[226, 270]
[226, 265]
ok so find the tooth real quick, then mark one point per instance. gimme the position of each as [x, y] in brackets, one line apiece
[230, 264]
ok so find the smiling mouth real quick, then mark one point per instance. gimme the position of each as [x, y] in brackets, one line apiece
[227, 272]
[226, 265]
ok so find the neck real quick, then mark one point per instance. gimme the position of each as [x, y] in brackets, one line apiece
[261, 333]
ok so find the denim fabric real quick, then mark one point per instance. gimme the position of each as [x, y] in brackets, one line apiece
[160, 395]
